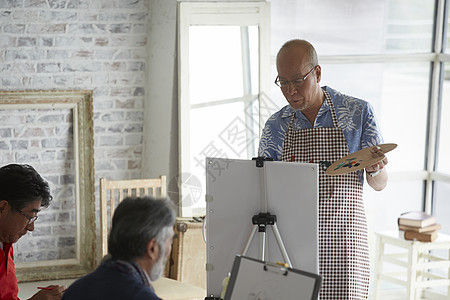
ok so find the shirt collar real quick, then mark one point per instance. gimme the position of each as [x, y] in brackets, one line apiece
[324, 108]
[289, 110]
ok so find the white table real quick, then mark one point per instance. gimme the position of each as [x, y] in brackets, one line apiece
[418, 261]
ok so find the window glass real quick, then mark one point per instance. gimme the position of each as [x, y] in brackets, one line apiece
[383, 208]
[398, 93]
[442, 205]
[219, 56]
[252, 50]
[219, 131]
[443, 157]
[447, 31]
[382, 211]
[355, 26]
[223, 111]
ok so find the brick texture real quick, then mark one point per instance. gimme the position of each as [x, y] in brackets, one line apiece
[98, 45]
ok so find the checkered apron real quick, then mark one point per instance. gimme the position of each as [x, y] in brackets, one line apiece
[343, 243]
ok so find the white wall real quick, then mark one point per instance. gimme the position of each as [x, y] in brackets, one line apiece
[103, 46]
[161, 107]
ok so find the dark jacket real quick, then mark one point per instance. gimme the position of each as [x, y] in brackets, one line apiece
[109, 282]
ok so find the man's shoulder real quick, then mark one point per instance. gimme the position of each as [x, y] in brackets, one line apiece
[109, 284]
[279, 115]
[341, 99]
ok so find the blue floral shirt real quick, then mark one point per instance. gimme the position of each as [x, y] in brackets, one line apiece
[355, 117]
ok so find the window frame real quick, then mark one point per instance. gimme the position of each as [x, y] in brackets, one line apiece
[215, 13]
[437, 57]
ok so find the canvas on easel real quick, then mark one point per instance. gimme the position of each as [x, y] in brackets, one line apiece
[234, 192]
[254, 279]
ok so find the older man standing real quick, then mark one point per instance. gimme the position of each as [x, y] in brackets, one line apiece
[139, 243]
[322, 125]
[22, 193]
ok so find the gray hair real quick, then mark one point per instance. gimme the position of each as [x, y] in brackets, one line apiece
[307, 47]
[136, 221]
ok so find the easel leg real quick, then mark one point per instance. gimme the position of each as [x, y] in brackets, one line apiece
[280, 244]
[249, 241]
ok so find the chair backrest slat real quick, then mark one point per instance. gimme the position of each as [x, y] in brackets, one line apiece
[112, 192]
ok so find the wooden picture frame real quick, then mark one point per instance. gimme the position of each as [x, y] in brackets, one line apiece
[81, 104]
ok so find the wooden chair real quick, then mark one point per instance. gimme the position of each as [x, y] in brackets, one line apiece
[112, 192]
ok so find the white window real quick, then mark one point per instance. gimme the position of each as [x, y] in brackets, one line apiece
[223, 67]
[392, 53]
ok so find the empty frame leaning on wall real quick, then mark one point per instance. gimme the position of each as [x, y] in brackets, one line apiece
[35, 137]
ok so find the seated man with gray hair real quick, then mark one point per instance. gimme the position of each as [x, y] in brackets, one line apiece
[139, 243]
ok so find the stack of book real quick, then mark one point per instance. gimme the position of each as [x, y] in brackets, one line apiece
[417, 225]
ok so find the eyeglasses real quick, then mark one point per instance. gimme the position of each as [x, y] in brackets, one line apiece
[30, 219]
[285, 83]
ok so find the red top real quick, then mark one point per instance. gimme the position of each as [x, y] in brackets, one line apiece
[8, 280]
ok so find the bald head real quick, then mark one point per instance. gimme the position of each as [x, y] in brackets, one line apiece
[302, 48]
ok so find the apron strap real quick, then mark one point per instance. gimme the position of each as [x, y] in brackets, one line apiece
[333, 111]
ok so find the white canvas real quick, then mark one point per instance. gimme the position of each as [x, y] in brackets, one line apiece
[235, 192]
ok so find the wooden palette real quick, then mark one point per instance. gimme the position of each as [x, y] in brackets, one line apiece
[358, 160]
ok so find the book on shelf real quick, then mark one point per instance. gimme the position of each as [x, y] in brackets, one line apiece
[432, 227]
[420, 236]
[416, 219]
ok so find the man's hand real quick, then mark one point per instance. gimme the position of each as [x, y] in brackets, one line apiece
[51, 292]
[376, 174]
[377, 152]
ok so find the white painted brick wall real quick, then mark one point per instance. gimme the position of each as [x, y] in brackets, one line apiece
[98, 45]
[25, 133]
